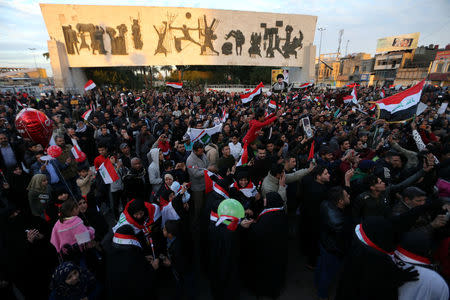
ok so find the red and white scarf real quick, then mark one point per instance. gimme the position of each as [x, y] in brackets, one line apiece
[220, 190]
[249, 190]
[234, 222]
[126, 239]
[268, 210]
[409, 257]
[363, 238]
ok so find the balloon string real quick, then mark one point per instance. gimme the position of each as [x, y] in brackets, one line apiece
[65, 183]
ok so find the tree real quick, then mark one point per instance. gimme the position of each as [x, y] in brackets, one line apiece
[46, 55]
[167, 69]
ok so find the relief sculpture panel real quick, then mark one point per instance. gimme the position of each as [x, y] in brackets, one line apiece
[163, 35]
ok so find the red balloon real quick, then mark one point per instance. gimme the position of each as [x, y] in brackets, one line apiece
[34, 125]
[54, 151]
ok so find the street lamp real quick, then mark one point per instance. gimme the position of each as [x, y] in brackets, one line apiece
[321, 29]
[34, 56]
[35, 64]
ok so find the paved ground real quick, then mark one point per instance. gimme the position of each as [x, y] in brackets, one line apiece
[299, 281]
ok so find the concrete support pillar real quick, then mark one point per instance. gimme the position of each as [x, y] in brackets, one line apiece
[66, 79]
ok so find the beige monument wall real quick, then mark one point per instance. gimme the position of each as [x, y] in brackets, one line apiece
[100, 36]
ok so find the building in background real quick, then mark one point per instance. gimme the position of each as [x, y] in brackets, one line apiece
[416, 69]
[440, 68]
[29, 80]
[352, 67]
[327, 69]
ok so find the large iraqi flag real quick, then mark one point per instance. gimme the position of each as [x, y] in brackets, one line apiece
[245, 98]
[175, 85]
[401, 106]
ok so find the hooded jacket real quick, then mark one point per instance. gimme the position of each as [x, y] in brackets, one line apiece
[196, 173]
[212, 153]
[153, 170]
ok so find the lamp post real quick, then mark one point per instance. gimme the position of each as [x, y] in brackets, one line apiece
[35, 64]
[321, 29]
[34, 56]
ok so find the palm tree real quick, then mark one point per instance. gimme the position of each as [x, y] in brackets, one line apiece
[46, 55]
[167, 69]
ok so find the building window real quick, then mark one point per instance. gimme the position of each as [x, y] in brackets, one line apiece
[439, 67]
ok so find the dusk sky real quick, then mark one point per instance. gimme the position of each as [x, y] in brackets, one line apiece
[363, 22]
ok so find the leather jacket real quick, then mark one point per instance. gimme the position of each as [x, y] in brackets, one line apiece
[333, 228]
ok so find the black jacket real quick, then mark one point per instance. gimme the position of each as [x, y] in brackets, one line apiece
[335, 232]
[367, 205]
[268, 239]
[128, 274]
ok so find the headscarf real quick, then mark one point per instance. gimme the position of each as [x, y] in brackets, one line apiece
[134, 206]
[274, 200]
[63, 290]
[36, 184]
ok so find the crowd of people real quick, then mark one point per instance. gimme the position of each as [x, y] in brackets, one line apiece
[367, 202]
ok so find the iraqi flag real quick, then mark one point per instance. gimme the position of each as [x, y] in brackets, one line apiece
[108, 172]
[79, 155]
[244, 157]
[295, 97]
[327, 106]
[306, 98]
[311, 151]
[352, 85]
[273, 104]
[138, 99]
[352, 98]
[247, 97]
[401, 106]
[382, 93]
[210, 177]
[224, 116]
[305, 85]
[86, 115]
[89, 85]
[175, 85]
[203, 135]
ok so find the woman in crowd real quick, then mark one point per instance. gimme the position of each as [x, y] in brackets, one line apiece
[38, 195]
[70, 282]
